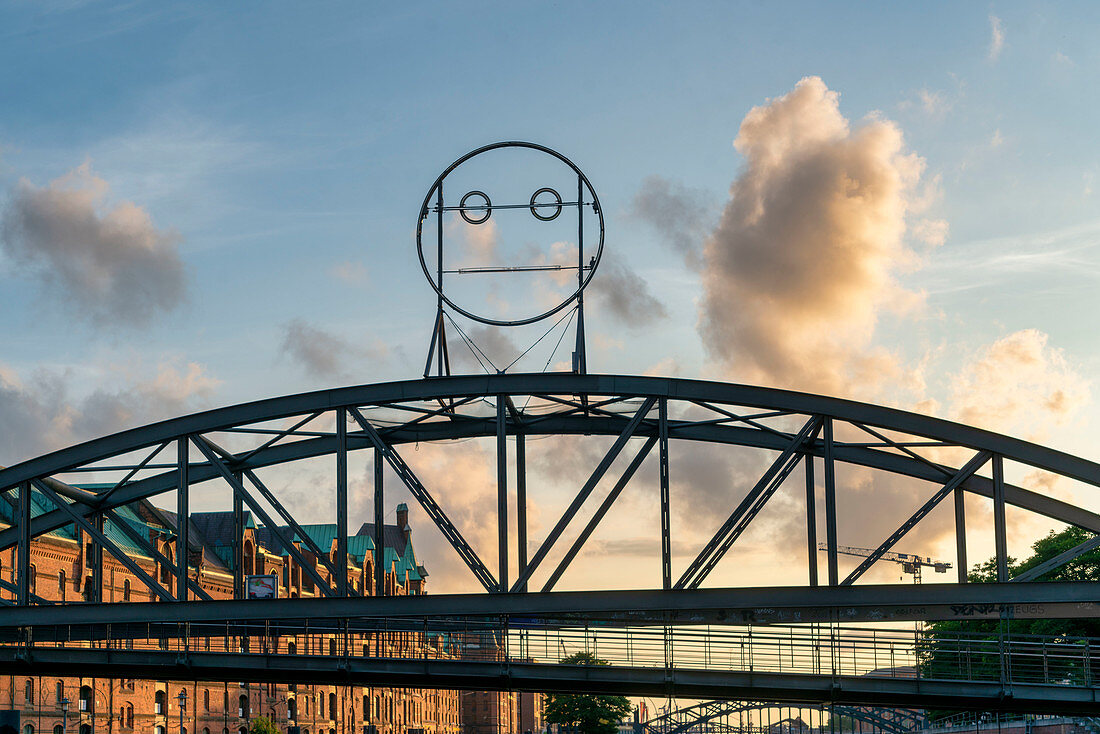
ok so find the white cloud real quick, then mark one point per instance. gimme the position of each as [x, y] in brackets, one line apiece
[996, 37]
[110, 263]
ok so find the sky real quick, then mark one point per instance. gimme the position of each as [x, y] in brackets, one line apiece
[202, 205]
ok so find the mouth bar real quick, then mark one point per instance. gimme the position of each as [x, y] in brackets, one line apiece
[514, 269]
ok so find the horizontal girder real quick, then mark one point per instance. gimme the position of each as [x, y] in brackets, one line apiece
[761, 605]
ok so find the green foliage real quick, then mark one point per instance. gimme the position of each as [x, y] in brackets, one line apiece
[263, 725]
[587, 714]
[942, 652]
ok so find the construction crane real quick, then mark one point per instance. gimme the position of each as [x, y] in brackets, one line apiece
[910, 563]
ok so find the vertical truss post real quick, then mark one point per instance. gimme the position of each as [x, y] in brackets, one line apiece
[999, 517]
[811, 518]
[666, 515]
[238, 541]
[521, 503]
[830, 503]
[341, 502]
[580, 360]
[182, 516]
[379, 535]
[24, 550]
[502, 493]
[96, 562]
[960, 534]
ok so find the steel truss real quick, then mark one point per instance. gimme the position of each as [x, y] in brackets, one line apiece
[711, 716]
[232, 445]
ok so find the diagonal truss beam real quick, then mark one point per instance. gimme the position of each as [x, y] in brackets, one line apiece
[143, 544]
[977, 461]
[240, 491]
[105, 543]
[435, 512]
[1059, 560]
[749, 507]
[586, 490]
[613, 495]
[269, 496]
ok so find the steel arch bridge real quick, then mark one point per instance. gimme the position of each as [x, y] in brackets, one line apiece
[230, 447]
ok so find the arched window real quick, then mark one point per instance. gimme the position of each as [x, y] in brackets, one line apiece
[247, 560]
[291, 709]
[85, 729]
[28, 690]
[166, 568]
[58, 729]
[60, 691]
[128, 715]
[291, 648]
[332, 705]
[61, 583]
[28, 729]
[159, 729]
[158, 702]
[321, 705]
[242, 707]
[205, 730]
[206, 697]
[126, 590]
[366, 702]
[87, 700]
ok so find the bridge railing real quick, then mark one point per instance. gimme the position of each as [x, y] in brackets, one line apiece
[821, 650]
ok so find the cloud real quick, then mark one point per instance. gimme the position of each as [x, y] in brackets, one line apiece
[805, 254]
[477, 242]
[934, 103]
[625, 294]
[323, 354]
[351, 272]
[110, 263]
[493, 344]
[996, 37]
[1019, 385]
[679, 214]
[39, 414]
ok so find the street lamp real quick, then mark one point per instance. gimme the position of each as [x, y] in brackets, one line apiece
[65, 716]
[183, 705]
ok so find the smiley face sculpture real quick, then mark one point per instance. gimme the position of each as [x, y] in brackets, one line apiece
[511, 216]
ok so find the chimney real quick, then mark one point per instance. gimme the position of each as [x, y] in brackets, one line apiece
[403, 521]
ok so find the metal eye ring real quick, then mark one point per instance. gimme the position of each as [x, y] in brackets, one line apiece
[488, 207]
[534, 206]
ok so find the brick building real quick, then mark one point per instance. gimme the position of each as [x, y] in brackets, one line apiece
[62, 570]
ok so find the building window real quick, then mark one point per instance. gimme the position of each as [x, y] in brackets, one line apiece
[126, 590]
[332, 705]
[206, 698]
[28, 691]
[28, 729]
[159, 701]
[60, 691]
[128, 716]
[332, 647]
[291, 709]
[159, 729]
[242, 707]
[86, 700]
[61, 584]
[32, 578]
[58, 730]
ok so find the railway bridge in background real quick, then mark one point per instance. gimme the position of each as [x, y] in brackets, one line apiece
[796, 644]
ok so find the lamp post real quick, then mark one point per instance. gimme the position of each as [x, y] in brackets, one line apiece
[183, 706]
[65, 716]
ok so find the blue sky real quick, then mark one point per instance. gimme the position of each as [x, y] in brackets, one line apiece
[277, 155]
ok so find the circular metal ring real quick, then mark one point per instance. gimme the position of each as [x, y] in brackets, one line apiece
[488, 207]
[435, 192]
[557, 200]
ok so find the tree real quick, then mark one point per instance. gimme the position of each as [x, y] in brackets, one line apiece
[588, 714]
[969, 648]
[263, 725]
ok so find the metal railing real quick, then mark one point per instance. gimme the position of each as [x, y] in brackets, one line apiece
[822, 650]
